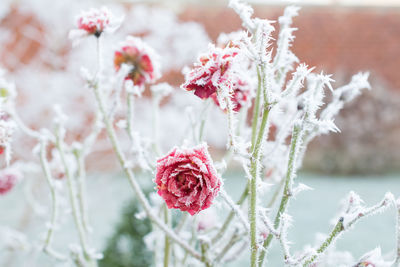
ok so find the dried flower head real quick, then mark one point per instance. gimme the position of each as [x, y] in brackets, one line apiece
[141, 58]
[187, 180]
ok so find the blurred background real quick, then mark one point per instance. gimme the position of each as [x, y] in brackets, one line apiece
[341, 37]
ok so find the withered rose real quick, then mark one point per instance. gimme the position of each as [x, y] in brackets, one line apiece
[187, 180]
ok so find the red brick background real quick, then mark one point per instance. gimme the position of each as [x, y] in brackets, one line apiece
[330, 38]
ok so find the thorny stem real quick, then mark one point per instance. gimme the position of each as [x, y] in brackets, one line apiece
[256, 111]
[54, 200]
[287, 189]
[341, 226]
[235, 209]
[332, 236]
[75, 208]
[254, 171]
[231, 126]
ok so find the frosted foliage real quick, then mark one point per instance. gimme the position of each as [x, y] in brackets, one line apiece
[108, 100]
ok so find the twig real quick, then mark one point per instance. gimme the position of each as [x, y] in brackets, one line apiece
[235, 209]
[54, 200]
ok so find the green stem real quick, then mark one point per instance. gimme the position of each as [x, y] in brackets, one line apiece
[204, 248]
[287, 189]
[167, 242]
[256, 111]
[332, 236]
[254, 171]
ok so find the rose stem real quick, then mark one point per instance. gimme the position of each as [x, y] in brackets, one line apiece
[286, 191]
[256, 111]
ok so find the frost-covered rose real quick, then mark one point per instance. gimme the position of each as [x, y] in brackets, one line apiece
[187, 180]
[212, 70]
[136, 54]
[240, 96]
[94, 22]
[8, 179]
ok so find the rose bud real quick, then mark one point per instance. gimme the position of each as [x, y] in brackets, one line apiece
[141, 58]
[187, 180]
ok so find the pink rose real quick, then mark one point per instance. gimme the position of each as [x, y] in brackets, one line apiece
[187, 180]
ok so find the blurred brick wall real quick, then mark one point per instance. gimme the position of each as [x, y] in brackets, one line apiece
[329, 38]
[343, 41]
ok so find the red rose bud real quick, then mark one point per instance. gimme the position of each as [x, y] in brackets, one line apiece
[187, 180]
